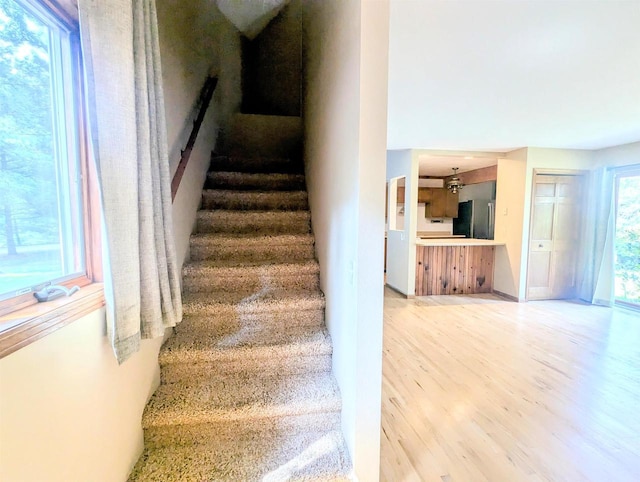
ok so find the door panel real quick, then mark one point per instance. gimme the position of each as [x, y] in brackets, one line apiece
[542, 227]
[553, 242]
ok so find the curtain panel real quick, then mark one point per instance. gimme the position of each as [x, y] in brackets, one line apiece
[597, 257]
[128, 136]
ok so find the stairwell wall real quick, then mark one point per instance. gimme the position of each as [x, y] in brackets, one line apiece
[196, 40]
[68, 411]
[345, 47]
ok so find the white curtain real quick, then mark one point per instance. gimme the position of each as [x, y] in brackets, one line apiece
[597, 258]
[128, 135]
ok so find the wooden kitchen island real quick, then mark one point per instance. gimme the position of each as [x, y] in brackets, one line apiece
[454, 266]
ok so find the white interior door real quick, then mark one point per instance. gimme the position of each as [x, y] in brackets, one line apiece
[554, 236]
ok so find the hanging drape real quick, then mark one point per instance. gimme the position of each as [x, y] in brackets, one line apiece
[129, 143]
[596, 281]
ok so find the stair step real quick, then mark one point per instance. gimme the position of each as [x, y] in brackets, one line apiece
[294, 352]
[267, 455]
[255, 200]
[269, 300]
[246, 327]
[201, 277]
[225, 397]
[228, 320]
[256, 165]
[247, 249]
[225, 431]
[257, 222]
[255, 181]
[192, 338]
[234, 350]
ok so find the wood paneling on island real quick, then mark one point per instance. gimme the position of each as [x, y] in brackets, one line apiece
[450, 270]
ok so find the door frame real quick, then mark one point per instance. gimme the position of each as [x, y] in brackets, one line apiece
[581, 173]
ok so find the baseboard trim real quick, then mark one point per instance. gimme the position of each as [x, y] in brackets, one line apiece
[506, 296]
[409, 297]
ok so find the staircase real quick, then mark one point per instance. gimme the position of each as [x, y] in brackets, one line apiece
[247, 392]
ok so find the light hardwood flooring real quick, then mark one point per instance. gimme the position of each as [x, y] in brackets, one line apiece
[476, 389]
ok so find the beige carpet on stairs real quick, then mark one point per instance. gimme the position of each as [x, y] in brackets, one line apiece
[247, 392]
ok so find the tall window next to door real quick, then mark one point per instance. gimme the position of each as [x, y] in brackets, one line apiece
[41, 182]
[627, 240]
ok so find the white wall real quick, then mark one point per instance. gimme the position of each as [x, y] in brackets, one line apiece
[67, 410]
[512, 173]
[618, 156]
[345, 85]
[424, 225]
[196, 41]
[401, 245]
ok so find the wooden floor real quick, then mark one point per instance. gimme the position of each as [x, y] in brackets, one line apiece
[480, 389]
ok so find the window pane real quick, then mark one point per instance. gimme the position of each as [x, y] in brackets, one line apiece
[39, 219]
[627, 286]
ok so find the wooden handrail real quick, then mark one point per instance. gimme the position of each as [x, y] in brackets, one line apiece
[205, 99]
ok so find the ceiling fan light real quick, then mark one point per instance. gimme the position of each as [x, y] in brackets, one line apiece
[454, 184]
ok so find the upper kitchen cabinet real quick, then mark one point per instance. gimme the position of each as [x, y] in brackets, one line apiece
[440, 203]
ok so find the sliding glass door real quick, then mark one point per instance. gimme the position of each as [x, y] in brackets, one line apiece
[627, 240]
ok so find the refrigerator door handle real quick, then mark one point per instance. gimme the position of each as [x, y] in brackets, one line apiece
[491, 220]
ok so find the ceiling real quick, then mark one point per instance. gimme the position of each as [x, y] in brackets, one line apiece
[500, 75]
[438, 165]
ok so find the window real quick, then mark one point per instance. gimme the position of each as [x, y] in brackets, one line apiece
[46, 231]
[627, 239]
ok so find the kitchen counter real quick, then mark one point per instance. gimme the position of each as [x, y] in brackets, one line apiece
[457, 242]
[454, 266]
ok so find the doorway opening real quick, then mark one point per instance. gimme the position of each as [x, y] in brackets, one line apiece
[627, 239]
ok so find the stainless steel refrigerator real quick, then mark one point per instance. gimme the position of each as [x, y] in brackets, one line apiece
[476, 219]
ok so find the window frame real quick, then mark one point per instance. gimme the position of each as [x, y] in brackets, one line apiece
[22, 319]
[632, 170]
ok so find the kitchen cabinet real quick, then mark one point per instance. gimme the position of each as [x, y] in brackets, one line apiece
[425, 195]
[440, 203]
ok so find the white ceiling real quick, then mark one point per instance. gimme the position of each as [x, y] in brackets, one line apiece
[499, 75]
[438, 165]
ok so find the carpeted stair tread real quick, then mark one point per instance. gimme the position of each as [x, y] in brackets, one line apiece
[225, 268]
[183, 348]
[256, 222]
[309, 456]
[254, 200]
[270, 302]
[230, 324]
[203, 277]
[243, 248]
[288, 363]
[194, 337]
[229, 397]
[256, 165]
[255, 181]
[225, 431]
